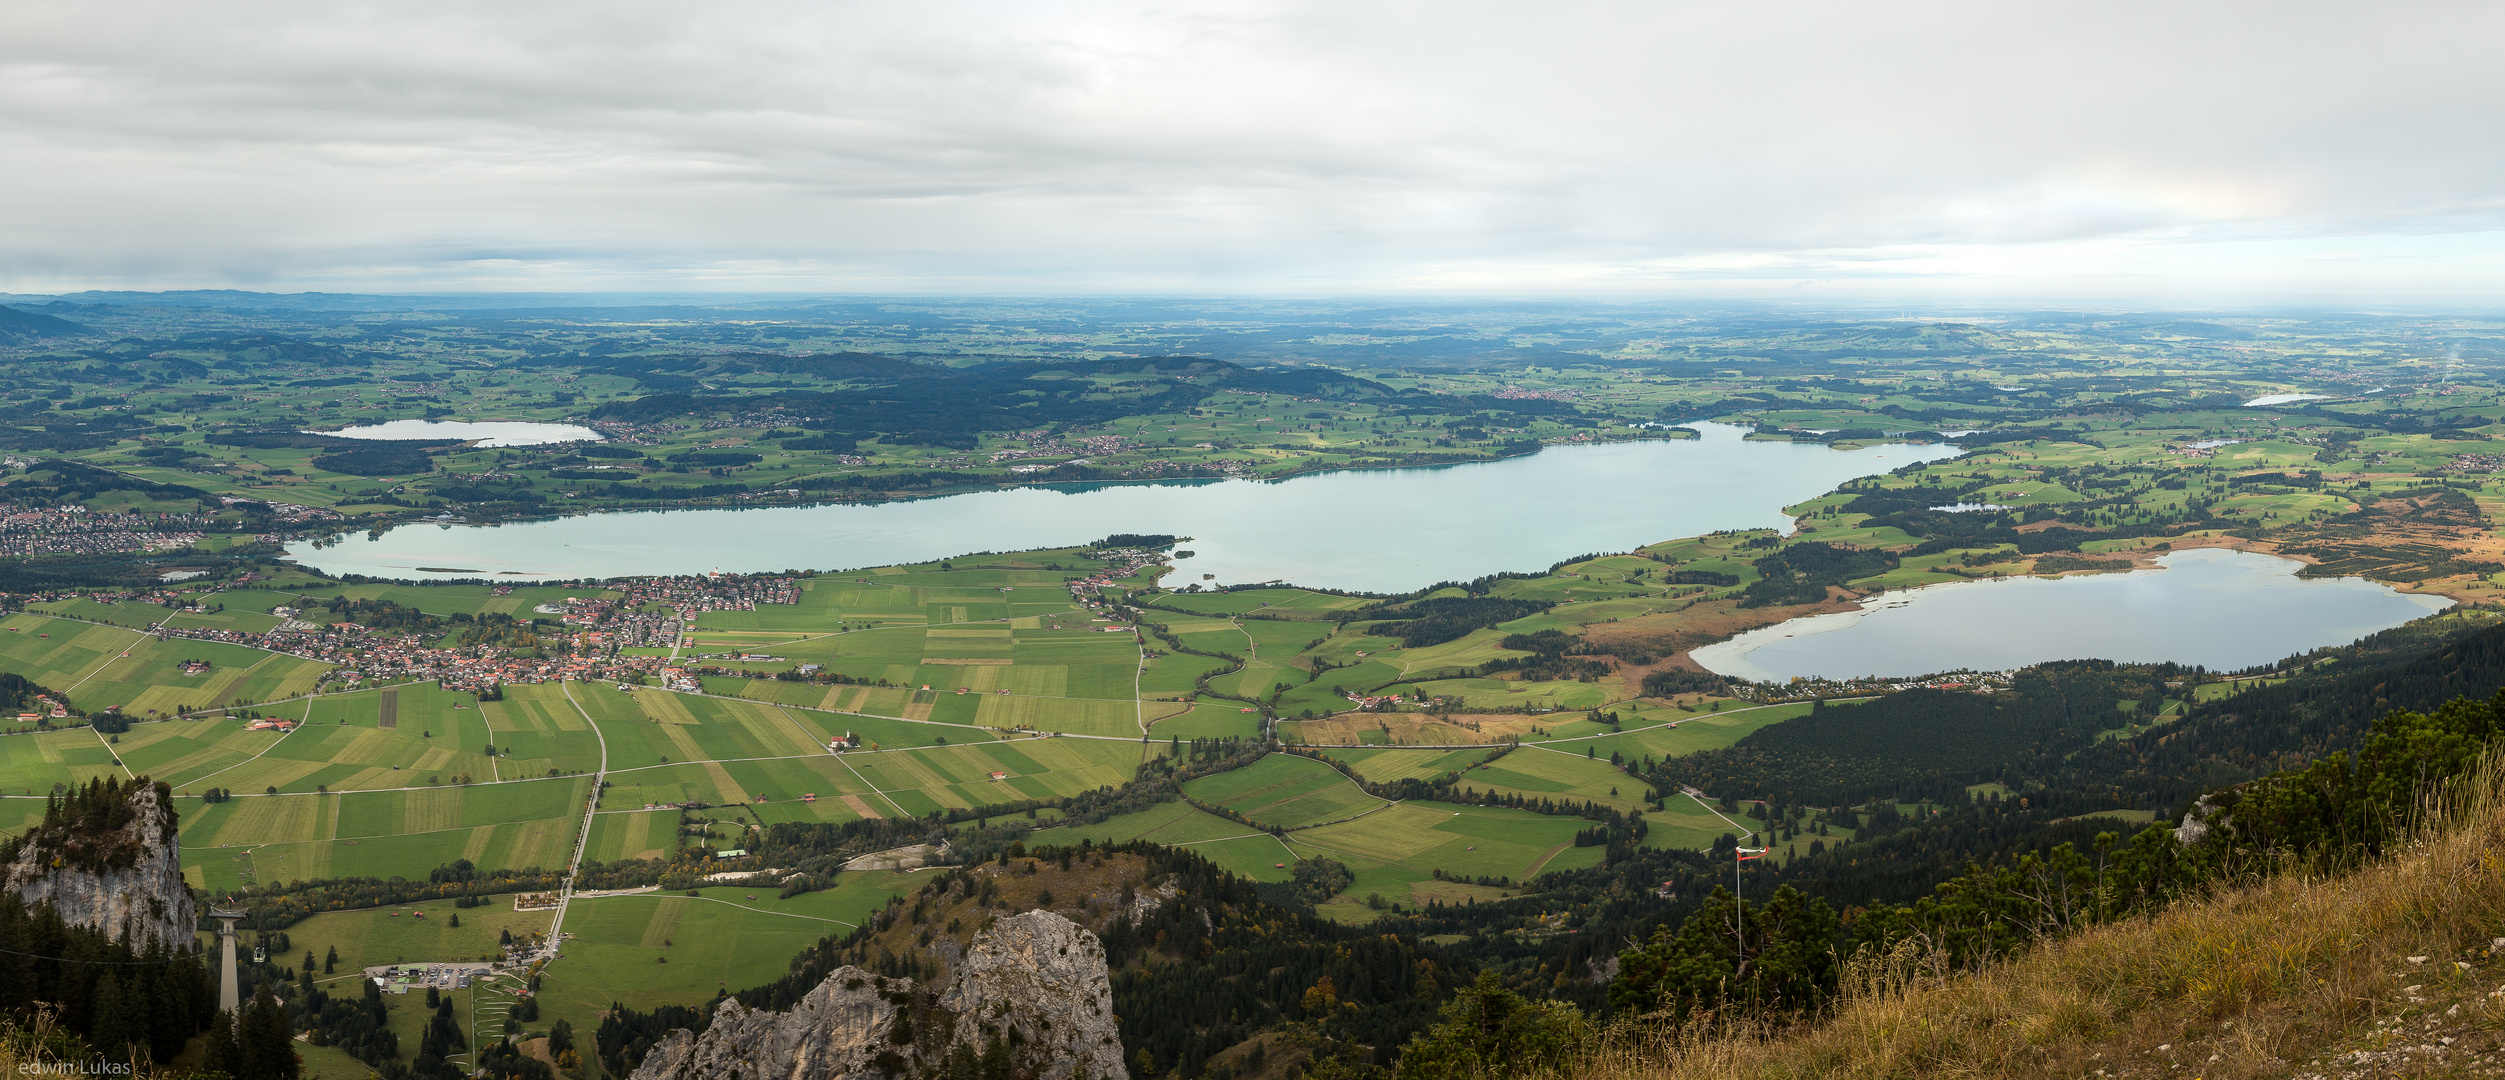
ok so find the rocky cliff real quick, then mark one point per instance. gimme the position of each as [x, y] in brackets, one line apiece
[106, 856]
[1032, 987]
[1038, 980]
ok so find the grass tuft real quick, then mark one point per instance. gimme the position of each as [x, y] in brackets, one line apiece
[2257, 980]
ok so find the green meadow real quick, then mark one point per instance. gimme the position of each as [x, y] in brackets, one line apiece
[280, 838]
[1000, 690]
[1386, 765]
[997, 689]
[1286, 790]
[1537, 772]
[651, 949]
[1397, 852]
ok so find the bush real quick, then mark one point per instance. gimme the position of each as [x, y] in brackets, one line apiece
[1491, 1031]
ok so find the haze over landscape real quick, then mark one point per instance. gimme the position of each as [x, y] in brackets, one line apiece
[1251, 541]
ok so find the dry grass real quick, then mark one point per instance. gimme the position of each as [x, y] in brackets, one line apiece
[2385, 972]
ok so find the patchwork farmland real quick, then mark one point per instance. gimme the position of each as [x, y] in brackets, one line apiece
[884, 699]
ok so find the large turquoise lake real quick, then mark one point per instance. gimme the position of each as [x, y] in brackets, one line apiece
[1385, 530]
[2223, 609]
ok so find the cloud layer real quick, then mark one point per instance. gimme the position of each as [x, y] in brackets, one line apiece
[2223, 150]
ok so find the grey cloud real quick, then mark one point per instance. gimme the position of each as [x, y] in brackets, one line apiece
[1248, 146]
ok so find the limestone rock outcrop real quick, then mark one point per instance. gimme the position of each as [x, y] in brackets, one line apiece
[107, 856]
[841, 1029]
[1033, 986]
[1039, 980]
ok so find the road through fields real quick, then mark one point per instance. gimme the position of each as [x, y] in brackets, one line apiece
[582, 839]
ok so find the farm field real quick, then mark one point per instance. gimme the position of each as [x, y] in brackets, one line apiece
[30, 764]
[61, 653]
[968, 688]
[1285, 790]
[399, 779]
[1398, 855]
[257, 839]
[1684, 823]
[1537, 772]
[1248, 601]
[1693, 732]
[1237, 848]
[652, 949]
[1420, 729]
[1386, 765]
[1214, 719]
[101, 667]
[1175, 824]
[1523, 696]
[411, 933]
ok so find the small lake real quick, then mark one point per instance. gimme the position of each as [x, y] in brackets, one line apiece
[2212, 606]
[1374, 530]
[483, 432]
[2285, 399]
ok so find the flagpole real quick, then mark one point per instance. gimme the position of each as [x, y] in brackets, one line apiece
[1739, 906]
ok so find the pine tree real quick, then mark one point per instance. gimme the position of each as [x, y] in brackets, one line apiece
[330, 960]
[110, 1030]
[166, 998]
[223, 1055]
[265, 1049]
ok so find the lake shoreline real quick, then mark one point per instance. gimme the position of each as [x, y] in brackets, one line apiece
[2266, 585]
[1428, 521]
[804, 499]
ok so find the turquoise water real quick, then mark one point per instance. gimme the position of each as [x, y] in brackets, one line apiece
[2211, 606]
[1380, 530]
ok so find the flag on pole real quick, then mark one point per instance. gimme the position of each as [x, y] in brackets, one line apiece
[1746, 854]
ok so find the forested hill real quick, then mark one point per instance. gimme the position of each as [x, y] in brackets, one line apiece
[1923, 745]
[884, 396]
[2055, 746]
[2063, 736]
[2326, 708]
[18, 324]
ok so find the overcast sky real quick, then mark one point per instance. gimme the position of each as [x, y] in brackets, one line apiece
[2201, 152]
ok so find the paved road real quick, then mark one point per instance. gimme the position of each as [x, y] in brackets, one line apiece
[582, 840]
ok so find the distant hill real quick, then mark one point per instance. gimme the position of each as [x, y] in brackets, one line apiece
[18, 324]
[936, 405]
